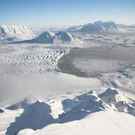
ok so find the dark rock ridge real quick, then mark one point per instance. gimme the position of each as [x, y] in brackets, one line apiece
[114, 97]
[39, 114]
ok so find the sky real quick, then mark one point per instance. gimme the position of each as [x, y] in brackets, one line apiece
[66, 12]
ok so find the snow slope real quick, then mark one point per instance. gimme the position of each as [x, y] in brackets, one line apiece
[101, 123]
[6, 118]
[26, 68]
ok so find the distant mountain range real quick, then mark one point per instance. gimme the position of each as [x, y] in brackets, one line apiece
[96, 27]
[24, 34]
[50, 38]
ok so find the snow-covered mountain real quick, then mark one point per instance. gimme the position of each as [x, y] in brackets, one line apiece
[99, 31]
[62, 37]
[45, 37]
[48, 37]
[96, 27]
[15, 32]
[24, 34]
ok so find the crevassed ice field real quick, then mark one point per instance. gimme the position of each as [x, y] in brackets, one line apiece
[59, 82]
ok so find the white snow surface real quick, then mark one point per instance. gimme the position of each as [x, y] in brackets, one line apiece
[101, 123]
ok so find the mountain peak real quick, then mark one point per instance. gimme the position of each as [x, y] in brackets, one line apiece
[16, 31]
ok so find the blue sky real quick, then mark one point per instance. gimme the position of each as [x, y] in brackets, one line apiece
[66, 12]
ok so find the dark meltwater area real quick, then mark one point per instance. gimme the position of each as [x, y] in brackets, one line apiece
[89, 62]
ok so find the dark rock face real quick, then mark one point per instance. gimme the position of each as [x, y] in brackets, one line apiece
[81, 106]
[35, 116]
[109, 96]
[121, 103]
[2, 31]
[1, 110]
